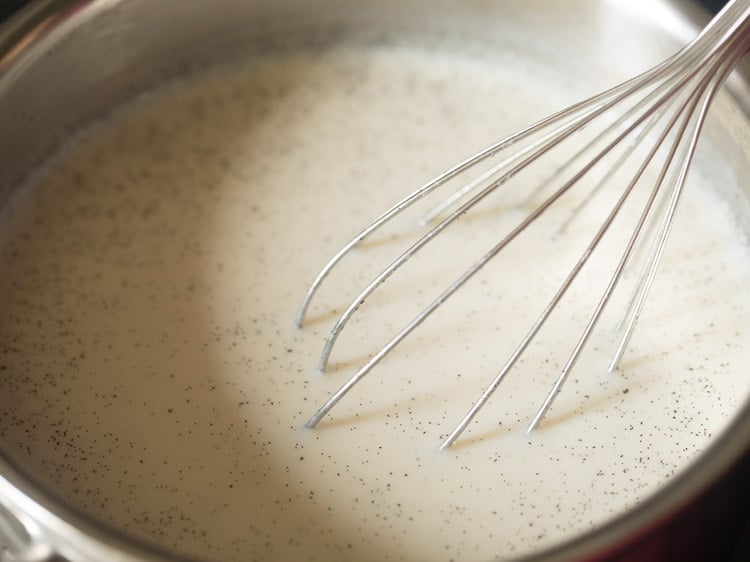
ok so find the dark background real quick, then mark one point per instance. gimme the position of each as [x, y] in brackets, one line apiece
[7, 7]
[713, 4]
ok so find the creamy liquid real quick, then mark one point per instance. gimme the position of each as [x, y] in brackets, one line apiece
[151, 374]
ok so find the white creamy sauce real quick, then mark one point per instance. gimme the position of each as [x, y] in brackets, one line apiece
[151, 375]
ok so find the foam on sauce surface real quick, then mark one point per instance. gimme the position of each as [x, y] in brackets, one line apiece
[151, 372]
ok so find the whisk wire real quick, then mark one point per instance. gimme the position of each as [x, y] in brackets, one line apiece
[526, 157]
[541, 319]
[679, 90]
[646, 279]
[591, 109]
[603, 100]
[560, 381]
[365, 369]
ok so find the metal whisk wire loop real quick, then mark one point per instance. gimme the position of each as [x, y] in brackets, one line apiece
[663, 108]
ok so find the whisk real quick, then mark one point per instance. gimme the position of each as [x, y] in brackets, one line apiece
[661, 112]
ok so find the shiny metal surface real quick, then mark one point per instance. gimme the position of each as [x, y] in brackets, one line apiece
[64, 63]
